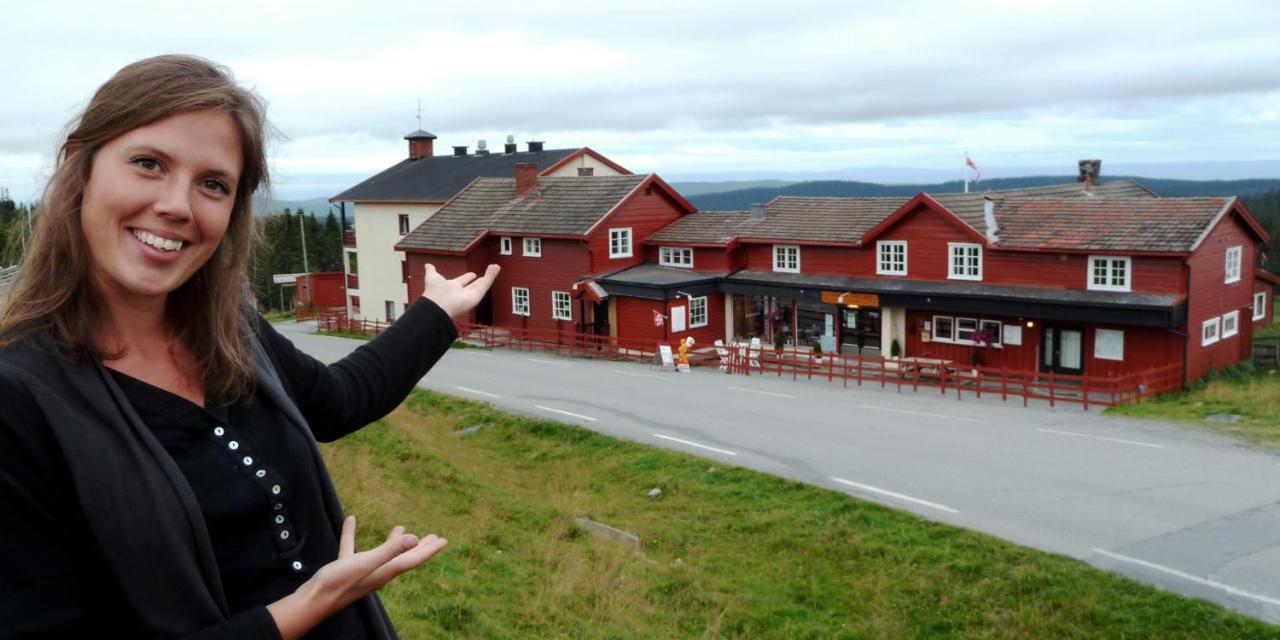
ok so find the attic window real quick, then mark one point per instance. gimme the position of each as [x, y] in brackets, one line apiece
[1110, 273]
[620, 242]
[786, 258]
[965, 261]
[586, 171]
[675, 256]
[891, 257]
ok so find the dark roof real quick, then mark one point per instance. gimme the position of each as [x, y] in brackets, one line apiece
[968, 206]
[557, 206]
[420, 135]
[657, 276]
[703, 227]
[1172, 225]
[438, 178]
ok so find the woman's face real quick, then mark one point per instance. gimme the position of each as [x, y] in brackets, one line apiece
[158, 201]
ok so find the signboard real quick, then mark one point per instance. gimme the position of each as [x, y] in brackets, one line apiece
[665, 357]
[677, 319]
[850, 298]
[286, 278]
[1013, 334]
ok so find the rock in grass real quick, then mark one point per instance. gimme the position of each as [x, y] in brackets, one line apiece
[471, 429]
[655, 492]
[1231, 418]
[607, 531]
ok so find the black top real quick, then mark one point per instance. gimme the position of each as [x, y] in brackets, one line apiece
[266, 540]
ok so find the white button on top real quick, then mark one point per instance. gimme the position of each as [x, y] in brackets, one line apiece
[297, 566]
[218, 431]
[247, 461]
[284, 535]
[279, 519]
[275, 489]
[261, 473]
[233, 445]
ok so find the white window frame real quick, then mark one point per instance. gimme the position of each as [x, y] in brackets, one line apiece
[504, 245]
[389, 310]
[1235, 257]
[1097, 340]
[518, 307]
[969, 340]
[782, 266]
[694, 305]
[532, 247]
[951, 322]
[1230, 324]
[1109, 274]
[882, 251]
[1259, 305]
[561, 301]
[963, 251]
[1209, 332]
[674, 257]
[404, 225]
[999, 331]
[618, 237]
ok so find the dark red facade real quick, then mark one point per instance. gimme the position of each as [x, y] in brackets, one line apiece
[322, 289]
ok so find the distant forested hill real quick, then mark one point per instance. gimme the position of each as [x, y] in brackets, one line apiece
[743, 198]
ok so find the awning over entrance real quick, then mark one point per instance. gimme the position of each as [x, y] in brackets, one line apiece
[656, 282]
[589, 290]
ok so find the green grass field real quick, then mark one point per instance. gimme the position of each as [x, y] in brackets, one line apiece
[726, 552]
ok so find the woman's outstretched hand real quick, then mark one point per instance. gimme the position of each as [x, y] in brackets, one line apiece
[351, 577]
[459, 295]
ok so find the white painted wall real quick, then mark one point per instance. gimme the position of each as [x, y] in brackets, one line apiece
[586, 160]
[377, 232]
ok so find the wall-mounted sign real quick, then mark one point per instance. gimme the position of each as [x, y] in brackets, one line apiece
[850, 298]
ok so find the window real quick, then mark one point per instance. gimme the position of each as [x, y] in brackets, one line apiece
[891, 258]
[1260, 305]
[944, 329]
[586, 171]
[533, 247]
[698, 312]
[1233, 265]
[786, 258]
[1230, 324]
[965, 261]
[391, 311]
[620, 243]
[1108, 344]
[1209, 332]
[561, 307]
[404, 224]
[965, 328]
[1109, 273]
[504, 245]
[675, 256]
[520, 301]
[992, 329]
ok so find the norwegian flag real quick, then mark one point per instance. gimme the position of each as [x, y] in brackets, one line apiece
[658, 319]
[977, 173]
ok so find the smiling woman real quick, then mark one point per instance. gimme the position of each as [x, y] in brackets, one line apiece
[159, 473]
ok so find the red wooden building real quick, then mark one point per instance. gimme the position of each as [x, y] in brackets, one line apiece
[322, 289]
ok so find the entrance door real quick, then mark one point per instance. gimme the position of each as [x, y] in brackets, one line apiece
[600, 319]
[1062, 350]
[484, 310]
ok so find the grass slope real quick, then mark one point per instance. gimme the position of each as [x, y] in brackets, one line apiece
[727, 552]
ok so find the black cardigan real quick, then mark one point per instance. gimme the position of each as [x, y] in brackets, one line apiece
[100, 529]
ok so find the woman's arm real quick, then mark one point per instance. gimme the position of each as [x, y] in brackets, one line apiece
[375, 378]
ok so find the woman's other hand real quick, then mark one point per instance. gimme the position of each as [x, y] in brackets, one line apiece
[352, 576]
[459, 295]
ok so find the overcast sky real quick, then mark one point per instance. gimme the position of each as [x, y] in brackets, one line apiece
[689, 89]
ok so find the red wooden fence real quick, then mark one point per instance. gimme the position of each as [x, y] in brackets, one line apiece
[947, 378]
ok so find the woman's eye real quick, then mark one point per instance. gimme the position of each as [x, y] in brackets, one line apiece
[217, 185]
[145, 162]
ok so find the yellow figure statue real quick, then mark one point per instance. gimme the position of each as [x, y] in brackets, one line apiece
[682, 359]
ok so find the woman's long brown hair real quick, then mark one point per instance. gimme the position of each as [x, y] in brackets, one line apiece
[54, 294]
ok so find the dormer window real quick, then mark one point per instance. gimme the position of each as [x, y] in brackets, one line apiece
[786, 258]
[675, 257]
[891, 257]
[965, 261]
[1110, 273]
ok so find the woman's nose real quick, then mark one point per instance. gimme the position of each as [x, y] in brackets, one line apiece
[174, 201]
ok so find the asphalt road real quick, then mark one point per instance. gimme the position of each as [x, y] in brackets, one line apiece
[1178, 508]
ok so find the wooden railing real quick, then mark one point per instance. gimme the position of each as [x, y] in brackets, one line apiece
[1266, 351]
[353, 281]
[900, 373]
[349, 238]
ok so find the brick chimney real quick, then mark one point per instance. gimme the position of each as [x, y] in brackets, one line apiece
[1090, 171]
[526, 177]
[420, 144]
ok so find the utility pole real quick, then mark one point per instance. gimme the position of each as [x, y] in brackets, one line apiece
[302, 231]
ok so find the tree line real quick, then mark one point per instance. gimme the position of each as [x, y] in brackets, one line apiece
[13, 228]
[280, 251]
[1265, 207]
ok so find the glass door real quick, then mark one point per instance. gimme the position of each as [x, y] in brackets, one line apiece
[1062, 350]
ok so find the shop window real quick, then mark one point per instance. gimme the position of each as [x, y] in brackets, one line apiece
[891, 257]
[1230, 324]
[965, 261]
[561, 306]
[944, 329]
[992, 330]
[1209, 332]
[533, 247]
[675, 257]
[1108, 344]
[965, 328]
[520, 301]
[1260, 305]
[786, 258]
[1233, 265]
[1109, 273]
[698, 312]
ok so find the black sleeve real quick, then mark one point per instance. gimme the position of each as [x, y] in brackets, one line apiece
[370, 382]
[254, 624]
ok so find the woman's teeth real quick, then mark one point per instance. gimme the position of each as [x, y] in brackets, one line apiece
[156, 241]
